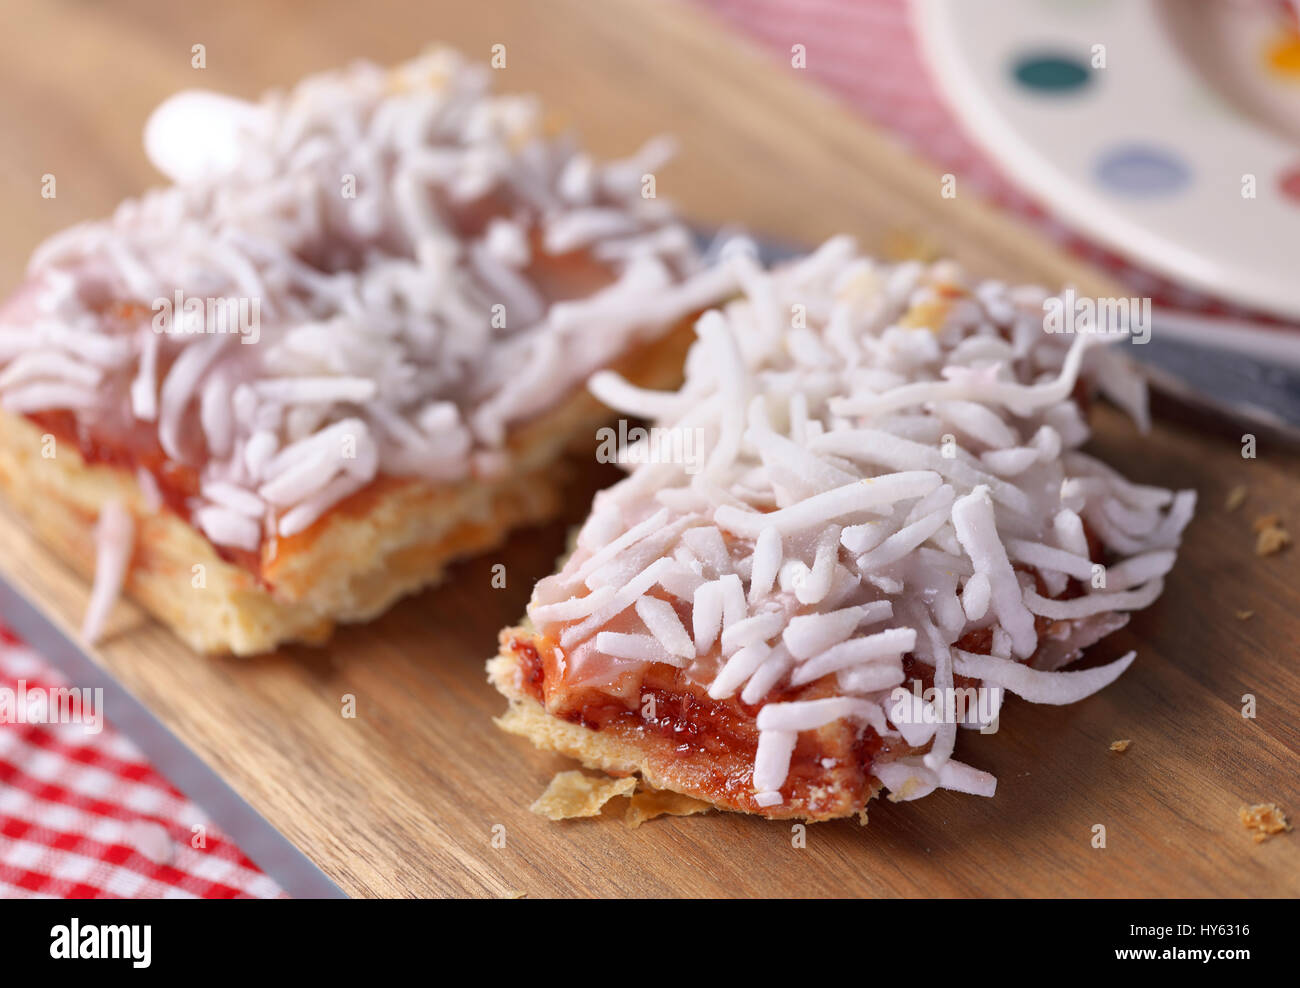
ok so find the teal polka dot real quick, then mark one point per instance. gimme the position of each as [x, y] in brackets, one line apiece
[1050, 73]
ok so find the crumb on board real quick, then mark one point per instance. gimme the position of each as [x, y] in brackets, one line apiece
[1270, 535]
[1236, 497]
[1264, 819]
[650, 803]
[572, 794]
[1245, 615]
[1121, 745]
[1271, 540]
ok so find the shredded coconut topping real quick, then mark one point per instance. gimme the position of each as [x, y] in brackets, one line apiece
[114, 542]
[414, 263]
[890, 473]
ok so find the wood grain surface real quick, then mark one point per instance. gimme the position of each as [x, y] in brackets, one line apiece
[403, 799]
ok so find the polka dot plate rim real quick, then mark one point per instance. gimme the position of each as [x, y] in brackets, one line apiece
[1096, 109]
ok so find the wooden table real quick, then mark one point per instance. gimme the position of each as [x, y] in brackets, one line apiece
[403, 799]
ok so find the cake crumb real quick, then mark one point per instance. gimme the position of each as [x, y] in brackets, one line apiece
[572, 794]
[1264, 820]
[1121, 745]
[1271, 539]
[1236, 497]
[1245, 615]
[650, 803]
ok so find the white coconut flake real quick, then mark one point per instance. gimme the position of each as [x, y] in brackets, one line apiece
[912, 715]
[573, 609]
[885, 645]
[642, 648]
[624, 598]
[114, 543]
[1095, 603]
[962, 778]
[1046, 557]
[1036, 685]
[945, 735]
[902, 542]
[820, 509]
[766, 564]
[751, 630]
[235, 498]
[737, 670]
[871, 678]
[808, 634]
[975, 596]
[661, 620]
[706, 616]
[976, 528]
[707, 544]
[735, 609]
[229, 528]
[771, 672]
[772, 759]
[808, 715]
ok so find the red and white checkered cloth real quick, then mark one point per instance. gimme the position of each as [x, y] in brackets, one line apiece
[87, 815]
[84, 815]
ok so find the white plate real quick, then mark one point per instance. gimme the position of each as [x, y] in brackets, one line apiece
[1150, 152]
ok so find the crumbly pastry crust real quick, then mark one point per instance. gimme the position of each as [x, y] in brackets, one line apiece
[389, 540]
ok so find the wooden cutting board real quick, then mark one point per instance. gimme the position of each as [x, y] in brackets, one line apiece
[404, 798]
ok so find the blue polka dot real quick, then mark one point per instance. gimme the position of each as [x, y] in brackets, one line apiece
[1049, 72]
[1142, 170]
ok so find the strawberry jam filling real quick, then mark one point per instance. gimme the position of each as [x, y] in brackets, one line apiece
[715, 739]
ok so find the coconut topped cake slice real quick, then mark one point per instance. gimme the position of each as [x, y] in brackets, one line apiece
[344, 347]
[864, 516]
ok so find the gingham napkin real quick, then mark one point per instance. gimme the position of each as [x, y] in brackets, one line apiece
[84, 815]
